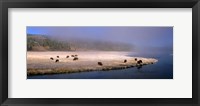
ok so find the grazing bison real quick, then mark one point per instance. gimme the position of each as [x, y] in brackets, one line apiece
[57, 56]
[67, 56]
[51, 58]
[75, 58]
[135, 59]
[72, 55]
[125, 61]
[139, 62]
[76, 55]
[57, 60]
[100, 63]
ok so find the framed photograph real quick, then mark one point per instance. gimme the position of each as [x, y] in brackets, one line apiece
[99, 52]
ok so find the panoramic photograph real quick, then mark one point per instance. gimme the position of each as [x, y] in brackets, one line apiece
[99, 52]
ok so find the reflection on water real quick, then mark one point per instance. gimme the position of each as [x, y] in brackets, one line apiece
[138, 67]
[163, 69]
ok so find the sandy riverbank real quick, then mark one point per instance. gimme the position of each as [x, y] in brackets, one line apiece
[40, 62]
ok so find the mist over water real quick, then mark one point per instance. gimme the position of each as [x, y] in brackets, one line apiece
[141, 38]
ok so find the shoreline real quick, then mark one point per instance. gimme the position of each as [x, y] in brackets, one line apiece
[40, 64]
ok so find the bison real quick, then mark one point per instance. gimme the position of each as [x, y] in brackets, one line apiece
[135, 59]
[139, 62]
[75, 58]
[57, 60]
[125, 61]
[100, 63]
[51, 58]
[57, 56]
[67, 56]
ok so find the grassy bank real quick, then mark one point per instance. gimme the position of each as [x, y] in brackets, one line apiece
[39, 63]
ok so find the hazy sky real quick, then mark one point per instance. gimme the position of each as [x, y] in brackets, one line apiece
[161, 37]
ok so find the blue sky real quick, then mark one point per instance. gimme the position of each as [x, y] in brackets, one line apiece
[141, 37]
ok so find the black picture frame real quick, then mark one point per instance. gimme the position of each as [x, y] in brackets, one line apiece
[6, 4]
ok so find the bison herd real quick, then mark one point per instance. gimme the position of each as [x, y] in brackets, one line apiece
[138, 62]
[75, 58]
